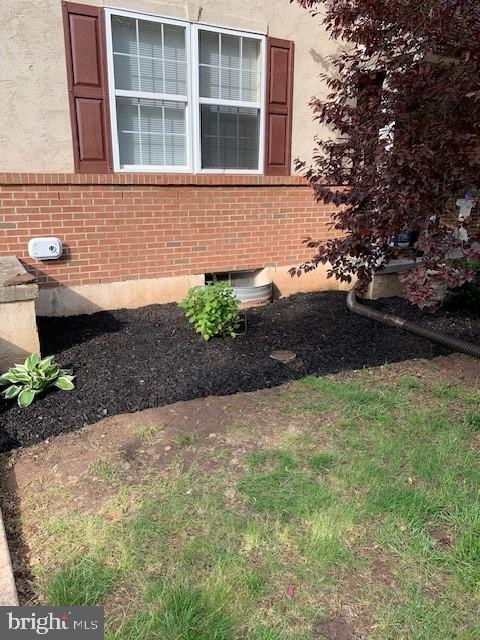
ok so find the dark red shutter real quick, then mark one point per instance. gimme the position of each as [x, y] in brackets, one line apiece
[87, 87]
[279, 99]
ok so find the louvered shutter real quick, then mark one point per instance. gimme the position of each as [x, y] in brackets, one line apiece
[278, 130]
[87, 87]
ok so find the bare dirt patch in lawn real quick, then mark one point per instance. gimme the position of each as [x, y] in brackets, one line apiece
[153, 436]
[336, 629]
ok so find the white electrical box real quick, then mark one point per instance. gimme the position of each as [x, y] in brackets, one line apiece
[45, 248]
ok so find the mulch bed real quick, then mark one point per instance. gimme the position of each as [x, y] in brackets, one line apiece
[129, 360]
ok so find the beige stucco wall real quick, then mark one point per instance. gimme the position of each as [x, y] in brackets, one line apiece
[35, 130]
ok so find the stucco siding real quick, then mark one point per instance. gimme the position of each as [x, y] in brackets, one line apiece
[35, 132]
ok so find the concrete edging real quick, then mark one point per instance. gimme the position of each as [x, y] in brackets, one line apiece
[8, 590]
[18, 326]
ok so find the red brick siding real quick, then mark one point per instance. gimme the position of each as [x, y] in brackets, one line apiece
[120, 227]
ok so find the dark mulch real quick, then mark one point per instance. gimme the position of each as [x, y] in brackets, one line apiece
[129, 360]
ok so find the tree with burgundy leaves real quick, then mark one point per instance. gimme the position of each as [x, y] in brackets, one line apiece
[403, 106]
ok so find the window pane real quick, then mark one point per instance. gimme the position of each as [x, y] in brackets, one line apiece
[248, 123]
[250, 86]
[175, 59]
[174, 118]
[175, 151]
[174, 42]
[228, 122]
[151, 132]
[151, 75]
[250, 54]
[230, 86]
[229, 67]
[150, 39]
[127, 115]
[151, 116]
[175, 77]
[230, 137]
[209, 48]
[129, 144]
[160, 59]
[250, 70]
[126, 72]
[209, 117]
[128, 131]
[153, 150]
[124, 35]
[230, 48]
[209, 52]
[248, 150]
[209, 82]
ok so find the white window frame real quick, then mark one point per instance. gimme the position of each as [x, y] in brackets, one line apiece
[114, 93]
[259, 104]
[192, 116]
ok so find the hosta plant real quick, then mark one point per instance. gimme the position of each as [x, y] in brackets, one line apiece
[213, 310]
[25, 381]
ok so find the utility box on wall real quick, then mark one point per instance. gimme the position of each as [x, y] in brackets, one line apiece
[45, 248]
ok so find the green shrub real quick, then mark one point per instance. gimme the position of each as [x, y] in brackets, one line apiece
[26, 380]
[213, 310]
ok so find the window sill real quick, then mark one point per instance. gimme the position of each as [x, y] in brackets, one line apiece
[181, 171]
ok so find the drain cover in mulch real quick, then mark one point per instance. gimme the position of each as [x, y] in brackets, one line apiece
[283, 356]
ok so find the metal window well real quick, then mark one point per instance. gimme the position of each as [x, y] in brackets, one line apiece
[250, 287]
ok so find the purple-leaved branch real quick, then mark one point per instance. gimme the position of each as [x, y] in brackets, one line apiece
[403, 105]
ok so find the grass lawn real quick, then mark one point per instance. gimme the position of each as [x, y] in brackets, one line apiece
[336, 507]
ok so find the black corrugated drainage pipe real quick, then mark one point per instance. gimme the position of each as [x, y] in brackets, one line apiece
[394, 321]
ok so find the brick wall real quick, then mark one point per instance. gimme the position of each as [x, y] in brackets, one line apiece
[132, 226]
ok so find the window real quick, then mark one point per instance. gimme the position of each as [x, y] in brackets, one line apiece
[184, 97]
[230, 100]
[150, 82]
